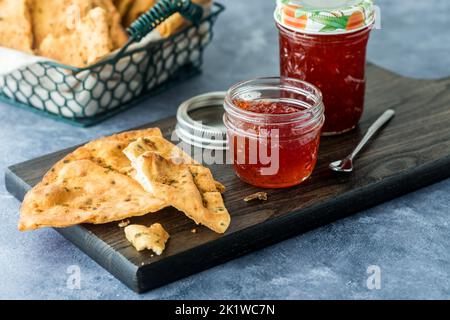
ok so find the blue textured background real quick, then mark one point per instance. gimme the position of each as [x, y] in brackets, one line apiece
[408, 238]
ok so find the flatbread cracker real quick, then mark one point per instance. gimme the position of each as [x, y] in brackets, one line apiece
[58, 17]
[160, 146]
[152, 238]
[106, 151]
[103, 160]
[76, 32]
[174, 184]
[85, 45]
[204, 179]
[85, 192]
[117, 32]
[169, 151]
[15, 25]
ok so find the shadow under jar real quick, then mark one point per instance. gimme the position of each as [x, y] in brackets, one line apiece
[273, 127]
[327, 47]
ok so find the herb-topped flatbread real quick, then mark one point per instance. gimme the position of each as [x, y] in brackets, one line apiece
[176, 184]
[85, 192]
[93, 184]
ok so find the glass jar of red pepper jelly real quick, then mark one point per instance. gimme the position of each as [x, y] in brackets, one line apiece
[273, 127]
[324, 42]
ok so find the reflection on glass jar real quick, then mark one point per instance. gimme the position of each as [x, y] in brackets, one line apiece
[274, 127]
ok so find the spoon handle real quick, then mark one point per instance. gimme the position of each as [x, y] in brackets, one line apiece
[374, 128]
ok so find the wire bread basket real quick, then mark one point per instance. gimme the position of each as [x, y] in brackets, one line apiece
[86, 96]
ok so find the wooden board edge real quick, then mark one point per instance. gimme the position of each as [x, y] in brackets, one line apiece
[14, 185]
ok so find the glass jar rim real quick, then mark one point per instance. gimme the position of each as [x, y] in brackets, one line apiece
[282, 83]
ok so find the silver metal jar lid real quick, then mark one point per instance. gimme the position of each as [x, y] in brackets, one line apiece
[200, 121]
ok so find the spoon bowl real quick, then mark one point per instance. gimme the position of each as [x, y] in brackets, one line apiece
[346, 165]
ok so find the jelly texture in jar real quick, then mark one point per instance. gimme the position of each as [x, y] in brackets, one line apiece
[333, 63]
[292, 147]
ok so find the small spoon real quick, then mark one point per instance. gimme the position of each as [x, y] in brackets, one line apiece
[346, 165]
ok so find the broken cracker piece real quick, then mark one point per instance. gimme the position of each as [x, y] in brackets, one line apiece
[123, 223]
[15, 25]
[220, 187]
[160, 146]
[157, 144]
[152, 238]
[175, 185]
[168, 173]
[59, 17]
[82, 46]
[256, 196]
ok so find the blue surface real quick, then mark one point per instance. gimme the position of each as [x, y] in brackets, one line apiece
[407, 238]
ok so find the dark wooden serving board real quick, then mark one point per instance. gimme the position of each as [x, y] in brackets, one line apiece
[411, 152]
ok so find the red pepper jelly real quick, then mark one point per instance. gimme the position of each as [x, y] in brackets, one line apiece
[273, 127]
[324, 43]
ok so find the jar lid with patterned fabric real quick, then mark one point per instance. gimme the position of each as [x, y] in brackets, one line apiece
[325, 16]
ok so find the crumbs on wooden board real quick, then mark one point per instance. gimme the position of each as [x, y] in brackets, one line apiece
[262, 196]
[124, 223]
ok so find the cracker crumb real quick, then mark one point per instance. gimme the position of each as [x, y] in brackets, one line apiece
[124, 223]
[194, 230]
[262, 196]
[152, 255]
[152, 238]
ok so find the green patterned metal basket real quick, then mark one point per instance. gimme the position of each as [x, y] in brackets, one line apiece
[86, 96]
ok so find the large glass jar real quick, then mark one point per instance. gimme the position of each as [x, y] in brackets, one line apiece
[274, 127]
[324, 43]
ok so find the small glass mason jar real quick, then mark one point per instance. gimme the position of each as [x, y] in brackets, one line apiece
[273, 127]
[324, 42]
